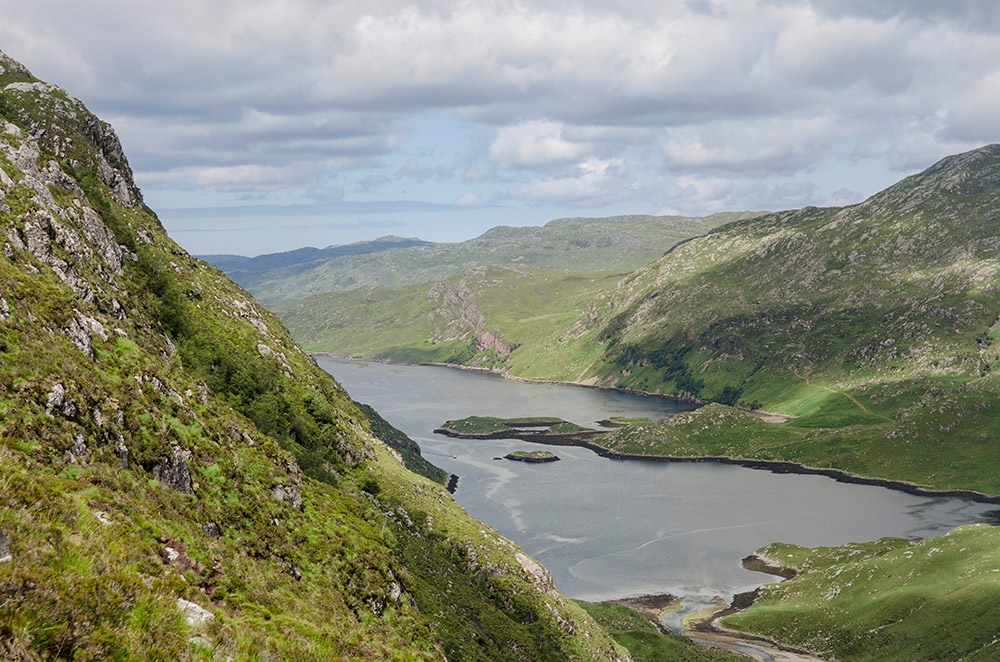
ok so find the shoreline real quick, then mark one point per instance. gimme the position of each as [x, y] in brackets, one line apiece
[514, 378]
[582, 440]
[775, 466]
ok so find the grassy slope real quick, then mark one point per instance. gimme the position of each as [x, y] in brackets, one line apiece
[162, 437]
[408, 449]
[533, 309]
[892, 599]
[647, 644]
[618, 243]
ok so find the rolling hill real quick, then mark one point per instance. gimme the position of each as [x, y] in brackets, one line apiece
[617, 243]
[873, 323]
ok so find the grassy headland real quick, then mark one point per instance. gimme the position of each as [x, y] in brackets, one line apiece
[891, 599]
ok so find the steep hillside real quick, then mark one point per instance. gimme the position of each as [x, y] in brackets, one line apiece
[485, 316]
[180, 480]
[618, 243]
[902, 284]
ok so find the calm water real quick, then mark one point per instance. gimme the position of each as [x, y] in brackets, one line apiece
[617, 528]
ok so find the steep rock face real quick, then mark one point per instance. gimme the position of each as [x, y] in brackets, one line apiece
[180, 480]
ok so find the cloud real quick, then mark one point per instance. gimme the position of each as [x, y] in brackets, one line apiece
[578, 103]
[532, 145]
[769, 144]
[472, 200]
[596, 182]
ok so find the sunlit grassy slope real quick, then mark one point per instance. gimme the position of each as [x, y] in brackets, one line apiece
[513, 318]
[892, 599]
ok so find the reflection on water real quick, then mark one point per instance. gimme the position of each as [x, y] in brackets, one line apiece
[616, 528]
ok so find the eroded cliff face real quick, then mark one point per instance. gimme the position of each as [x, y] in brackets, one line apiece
[179, 479]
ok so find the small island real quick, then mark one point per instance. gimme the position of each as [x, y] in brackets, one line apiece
[532, 456]
[544, 430]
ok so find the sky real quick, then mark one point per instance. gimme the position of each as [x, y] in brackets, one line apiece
[258, 126]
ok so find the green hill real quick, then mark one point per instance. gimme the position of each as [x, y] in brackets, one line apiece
[485, 316]
[180, 481]
[891, 599]
[618, 243]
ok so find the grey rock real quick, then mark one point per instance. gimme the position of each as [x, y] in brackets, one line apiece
[174, 471]
[287, 494]
[57, 401]
[4, 309]
[5, 555]
[102, 239]
[211, 529]
[79, 447]
[122, 449]
[195, 615]
[396, 592]
[79, 334]
[15, 238]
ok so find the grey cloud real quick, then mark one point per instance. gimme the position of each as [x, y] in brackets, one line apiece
[676, 98]
[979, 15]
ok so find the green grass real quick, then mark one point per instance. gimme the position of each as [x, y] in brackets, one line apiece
[474, 426]
[418, 323]
[644, 641]
[891, 599]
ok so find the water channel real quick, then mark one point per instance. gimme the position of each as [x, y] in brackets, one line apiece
[610, 529]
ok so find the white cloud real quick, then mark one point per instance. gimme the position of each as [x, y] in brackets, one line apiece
[771, 144]
[472, 200]
[532, 145]
[597, 182]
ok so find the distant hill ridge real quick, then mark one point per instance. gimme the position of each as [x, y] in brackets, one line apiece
[615, 243]
[239, 264]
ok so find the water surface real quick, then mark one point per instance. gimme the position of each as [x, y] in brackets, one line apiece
[617, 528]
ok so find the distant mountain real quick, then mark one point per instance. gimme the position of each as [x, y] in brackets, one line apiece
[617, 243]
[239, 267]
[180, 481]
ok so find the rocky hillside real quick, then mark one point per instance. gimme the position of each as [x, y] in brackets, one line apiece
[903, 283]
[180, 481]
